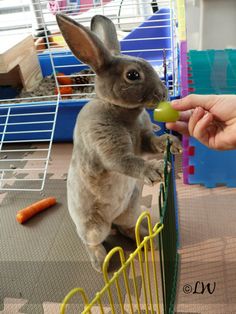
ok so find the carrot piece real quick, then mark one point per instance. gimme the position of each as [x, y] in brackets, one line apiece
[64, 90]
[63, 79]
[28, 212]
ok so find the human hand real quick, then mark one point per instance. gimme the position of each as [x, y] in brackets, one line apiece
[211, 119]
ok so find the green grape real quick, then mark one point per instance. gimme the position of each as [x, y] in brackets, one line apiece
[165, 113]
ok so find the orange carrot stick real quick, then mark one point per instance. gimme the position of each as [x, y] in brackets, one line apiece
[28, 212]
[64, 90]
[63, 79]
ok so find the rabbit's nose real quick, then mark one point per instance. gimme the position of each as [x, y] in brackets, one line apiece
[161, 95]
[165, 94]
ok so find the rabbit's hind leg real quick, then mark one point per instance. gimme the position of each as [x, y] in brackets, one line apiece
[97, 254]
[127, 220]
[94, 236]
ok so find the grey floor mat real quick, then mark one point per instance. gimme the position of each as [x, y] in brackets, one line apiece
[207, 221]
[41, 261]
[44, 259]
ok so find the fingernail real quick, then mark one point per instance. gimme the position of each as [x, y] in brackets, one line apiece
[197, 110]
[206, 115]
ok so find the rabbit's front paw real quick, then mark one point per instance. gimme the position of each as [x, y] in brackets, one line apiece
[154, 171]
[157, 145]
[160, 143]
[176, 145]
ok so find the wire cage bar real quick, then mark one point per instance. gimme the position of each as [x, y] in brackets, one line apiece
[26, 135]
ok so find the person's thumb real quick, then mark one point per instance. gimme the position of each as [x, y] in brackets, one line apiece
[192, 101]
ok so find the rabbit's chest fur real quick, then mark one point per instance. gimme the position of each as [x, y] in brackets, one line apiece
[92, 186]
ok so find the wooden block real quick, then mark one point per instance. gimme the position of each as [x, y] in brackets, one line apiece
[12, 78]
[30, 73]
[20, 51]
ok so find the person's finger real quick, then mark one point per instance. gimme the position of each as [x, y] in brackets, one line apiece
[179, 126]
[193, 101]
[198, 113]
[185, 115]
[202, 128]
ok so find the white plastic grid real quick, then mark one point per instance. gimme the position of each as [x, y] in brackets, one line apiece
[127, 16]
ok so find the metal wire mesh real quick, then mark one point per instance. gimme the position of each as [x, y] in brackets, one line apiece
[144, 30]
[121, 292]
[38, 19]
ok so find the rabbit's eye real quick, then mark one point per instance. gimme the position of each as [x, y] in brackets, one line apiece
[133, 75]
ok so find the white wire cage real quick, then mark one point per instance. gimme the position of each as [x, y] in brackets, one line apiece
[26, 141]
[59, 83]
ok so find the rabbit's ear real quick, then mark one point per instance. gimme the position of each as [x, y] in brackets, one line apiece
[84, 44]
[106, 31]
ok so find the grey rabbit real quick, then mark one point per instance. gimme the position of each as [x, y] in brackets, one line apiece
[112, 133]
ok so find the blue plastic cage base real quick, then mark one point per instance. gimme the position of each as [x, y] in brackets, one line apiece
[212, 168]
[155, 40]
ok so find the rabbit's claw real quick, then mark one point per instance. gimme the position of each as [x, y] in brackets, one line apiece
[176, 145]
[158, 145]
[97, 255]
[168, 167]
